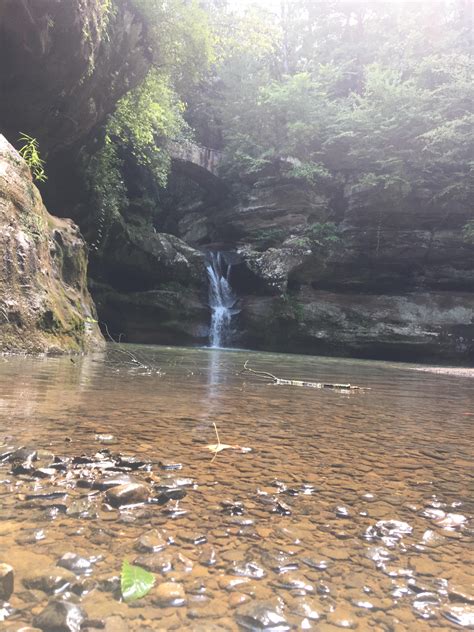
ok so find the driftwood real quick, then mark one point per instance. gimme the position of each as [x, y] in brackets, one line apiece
[280, 381]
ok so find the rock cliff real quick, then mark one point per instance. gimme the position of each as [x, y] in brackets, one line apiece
[394, 285]
[64, 65]
[44, 302]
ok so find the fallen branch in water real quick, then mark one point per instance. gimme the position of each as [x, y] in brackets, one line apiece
[281, 381]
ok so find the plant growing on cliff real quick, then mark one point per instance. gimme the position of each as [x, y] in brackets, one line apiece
[30, 153]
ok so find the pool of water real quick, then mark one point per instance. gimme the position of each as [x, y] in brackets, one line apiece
[349, 510]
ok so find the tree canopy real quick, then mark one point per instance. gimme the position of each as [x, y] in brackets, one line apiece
[372, 99]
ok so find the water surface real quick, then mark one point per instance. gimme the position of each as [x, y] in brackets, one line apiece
[352, 510]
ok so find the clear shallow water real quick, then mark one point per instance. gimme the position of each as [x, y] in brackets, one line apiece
[327, 476]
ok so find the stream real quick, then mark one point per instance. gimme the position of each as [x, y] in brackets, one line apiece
[348, 510]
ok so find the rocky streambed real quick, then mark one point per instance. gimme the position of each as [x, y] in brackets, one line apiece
[350, 511]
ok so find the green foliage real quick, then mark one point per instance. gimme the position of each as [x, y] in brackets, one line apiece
[30, 153]
[370, 102]
[291, 308]
[267, 238]
[135, 582]
[145, 119]
[323, 234]
[179, 36]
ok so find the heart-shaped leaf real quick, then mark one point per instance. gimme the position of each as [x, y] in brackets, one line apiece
[135, 582]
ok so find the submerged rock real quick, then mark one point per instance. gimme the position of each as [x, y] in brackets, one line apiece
[461, 615]
[169, 594]
[127, 494]
[262, 616]
[75, 563]
[7, 581]
[247, 569]
[60, 616]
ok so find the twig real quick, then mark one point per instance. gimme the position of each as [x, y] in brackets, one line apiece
[129, 354]
[282, 381]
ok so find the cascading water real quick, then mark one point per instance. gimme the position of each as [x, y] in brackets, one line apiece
[222, 300]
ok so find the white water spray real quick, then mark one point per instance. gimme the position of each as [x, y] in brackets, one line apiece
[222, 300]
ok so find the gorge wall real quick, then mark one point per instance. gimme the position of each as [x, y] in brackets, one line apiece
[394, 283]
[44, 302]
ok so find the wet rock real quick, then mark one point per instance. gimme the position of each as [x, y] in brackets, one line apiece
[83, 508]
[343, 618]
[132, 463]
[192, 537]
[238, 599]
[107, 482]
[75, 563]
[335, 553]
[279, 562]
[426, 605]
[233, 507]
[247, 569]
[182, 564]
[109, 584]
[174, 482]
[317, 564]
[232, 583]
[155, 562]
[461, 615]
[395, 529]
[282, 508]
[25, 455]
[432, 539]
[7, 581]
[169, 594]
[290, 581]
[151, 542]
[52, 581]
[451, 521]
[262, 615]
[44, 472]
[174, 510]
[31, 536]
[306, 607]
[60, 616]
[169, 466]
[208, 556]
[461, 593]
[170, 494]
[127, 494]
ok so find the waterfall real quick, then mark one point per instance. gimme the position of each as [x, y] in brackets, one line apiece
[222, 300]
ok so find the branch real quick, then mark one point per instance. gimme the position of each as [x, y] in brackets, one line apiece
[281, 381]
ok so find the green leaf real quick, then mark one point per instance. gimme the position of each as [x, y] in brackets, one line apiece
[135, 582]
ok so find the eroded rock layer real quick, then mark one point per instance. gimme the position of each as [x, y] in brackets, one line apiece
[44, 302]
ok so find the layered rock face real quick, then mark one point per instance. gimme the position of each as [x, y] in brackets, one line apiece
[44, 302]
[150, 287]
[399, 286]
